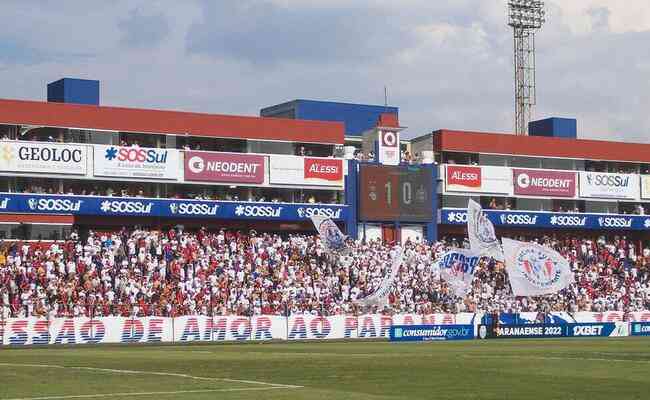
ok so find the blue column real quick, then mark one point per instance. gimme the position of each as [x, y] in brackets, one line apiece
[432, 227]
[351, 199]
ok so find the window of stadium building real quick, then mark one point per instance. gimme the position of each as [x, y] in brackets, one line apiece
[36, 231]
[10, 231]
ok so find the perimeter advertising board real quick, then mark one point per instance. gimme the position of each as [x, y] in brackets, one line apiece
[50, 158]
[204, 166]
[540, 331]
[423, 333]
[136, 162]
[640, 328]
[603, 185]
[309, 171]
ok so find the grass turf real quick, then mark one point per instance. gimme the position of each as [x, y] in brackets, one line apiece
[498, 369]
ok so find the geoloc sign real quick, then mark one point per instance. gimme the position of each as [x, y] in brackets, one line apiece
[551, 220]
[50, 158]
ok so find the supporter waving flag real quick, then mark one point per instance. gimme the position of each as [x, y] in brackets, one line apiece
[535, 270]
[330, 234]
[457, 268]
[482, 238]
[379, 296]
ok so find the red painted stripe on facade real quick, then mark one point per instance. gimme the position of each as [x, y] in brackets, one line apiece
[20, 112]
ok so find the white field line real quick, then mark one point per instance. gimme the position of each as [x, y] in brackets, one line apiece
[100, 395]
[127, 371]
[557, 358]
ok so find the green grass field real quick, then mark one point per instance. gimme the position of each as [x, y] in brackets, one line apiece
[525, 369]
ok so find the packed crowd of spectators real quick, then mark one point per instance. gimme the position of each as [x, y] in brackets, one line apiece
[174, 273]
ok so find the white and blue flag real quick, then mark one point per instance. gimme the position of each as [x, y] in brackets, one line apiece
[330, 234]
[482, 237]
[457, 268]
[535, 270]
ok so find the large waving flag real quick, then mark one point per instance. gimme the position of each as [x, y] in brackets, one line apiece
[378, 297]
[480, 231]
[457, 268]
[330, 234]
[535, 270]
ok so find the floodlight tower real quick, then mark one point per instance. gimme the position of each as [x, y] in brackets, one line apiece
[525, 17]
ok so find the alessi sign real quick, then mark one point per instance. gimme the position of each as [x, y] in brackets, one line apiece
[135, 162]
[464, 176]
[324, 168]
[531, 182]
[294, 170]
[468, 178]
[51, 158]
[224, 167]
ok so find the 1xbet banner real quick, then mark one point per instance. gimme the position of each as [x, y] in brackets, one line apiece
[420, 333]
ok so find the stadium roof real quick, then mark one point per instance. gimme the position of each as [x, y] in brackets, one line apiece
[21, 112]
[538, 146]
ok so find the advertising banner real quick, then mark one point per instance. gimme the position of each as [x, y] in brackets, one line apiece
[640, 329]
[136, 162]
[224, 167]
[83, 330]
[420, 333]
[388, 148]
[645, 186]
[534, 219]
[609, 186]
[597, 329]
[145, 207]
[528, 331]
[474, 179]
[35, 331]
[534, 182]
[296, 170]
[50, 158]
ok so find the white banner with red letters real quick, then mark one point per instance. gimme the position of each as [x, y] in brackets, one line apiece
[475, 179]
[41, 331]
[310, 171]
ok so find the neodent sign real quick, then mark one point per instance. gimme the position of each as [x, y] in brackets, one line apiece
[419, 333]
[224, 167]
[531, 182]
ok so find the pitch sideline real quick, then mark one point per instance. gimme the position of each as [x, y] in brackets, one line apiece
[126, 371]
[101, 395]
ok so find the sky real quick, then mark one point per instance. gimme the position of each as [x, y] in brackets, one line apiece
[446, 64]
